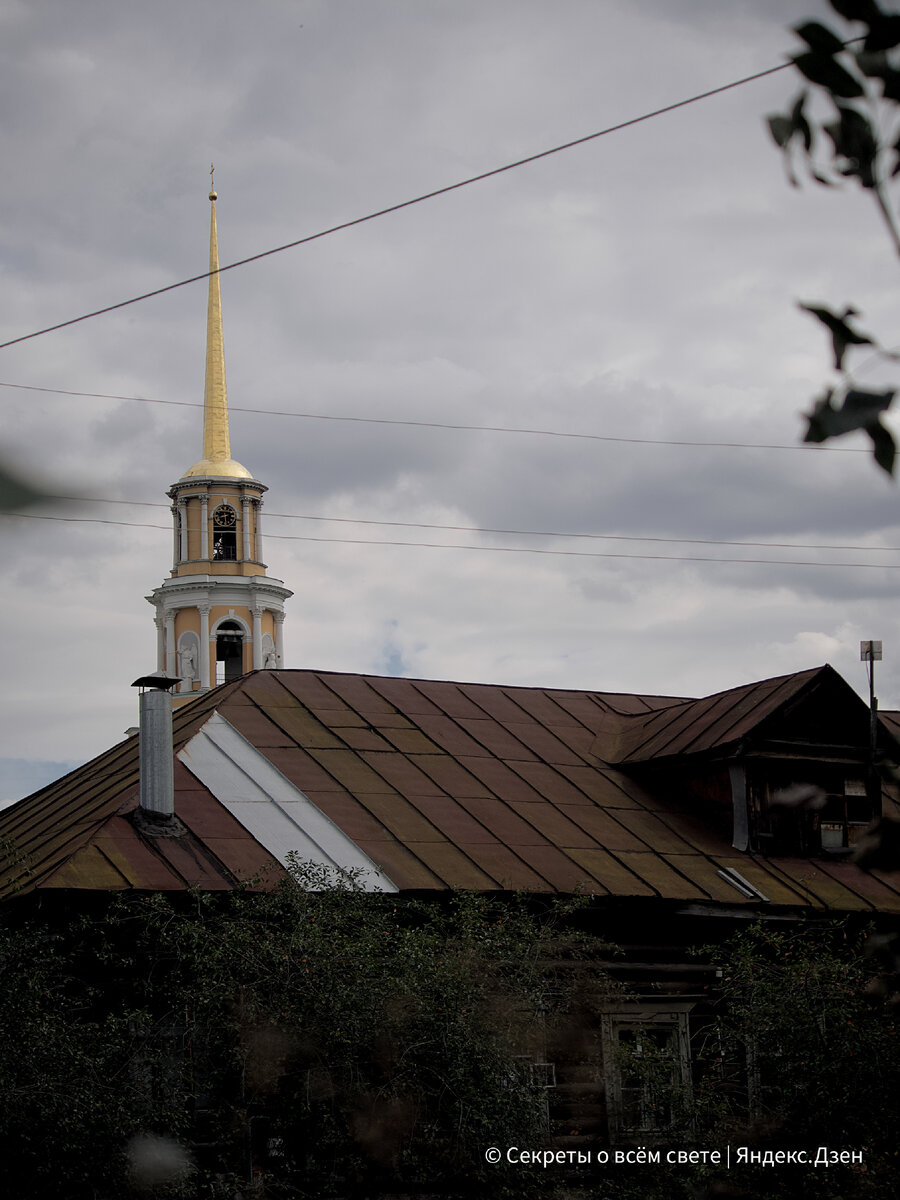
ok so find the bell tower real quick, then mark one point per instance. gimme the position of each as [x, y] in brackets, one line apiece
[219, 614]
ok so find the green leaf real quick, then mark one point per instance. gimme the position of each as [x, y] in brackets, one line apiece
[781, 128]
[855, 142]
[883, 447]
[856, 10]
[884, 32]
[823, 70]
[842, 335]
[800, 123]
[874, 64]
[877, 65]
[823, 422]
[819, 37]
[861, 410]
[891, 86]
[867, 406]
[784, 127]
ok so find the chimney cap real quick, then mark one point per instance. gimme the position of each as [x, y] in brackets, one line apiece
[157, 679]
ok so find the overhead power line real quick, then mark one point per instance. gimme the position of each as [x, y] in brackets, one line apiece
[392, 208]
[286, 537]
[804, 447]
[549, 533]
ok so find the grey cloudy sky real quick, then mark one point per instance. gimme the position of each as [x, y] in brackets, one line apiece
[639, 286]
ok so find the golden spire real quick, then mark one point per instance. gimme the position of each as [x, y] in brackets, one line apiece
[217, 460]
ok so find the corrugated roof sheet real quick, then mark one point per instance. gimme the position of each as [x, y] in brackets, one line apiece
[441, 785]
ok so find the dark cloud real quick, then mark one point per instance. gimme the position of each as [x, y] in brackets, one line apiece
[642, 285]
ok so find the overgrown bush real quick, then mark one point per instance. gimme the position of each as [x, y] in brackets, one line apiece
[331, 1041]
[803, 1051]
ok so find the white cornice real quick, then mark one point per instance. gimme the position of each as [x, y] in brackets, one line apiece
[205, 483]
[183, 591]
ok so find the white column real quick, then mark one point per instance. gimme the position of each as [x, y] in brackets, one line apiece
[279, 637]
[257, 637]
[204, 528]
[160, 641]
[259, 552]
[170, 643]
[245, 528]
[182, 512]
[176, 545]
[204, 645]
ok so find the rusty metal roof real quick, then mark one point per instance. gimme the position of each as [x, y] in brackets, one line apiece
[891, 719]
[77, 832]
[440, 785]
[712, 723]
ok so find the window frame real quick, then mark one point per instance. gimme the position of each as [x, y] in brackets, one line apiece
[674, 1021]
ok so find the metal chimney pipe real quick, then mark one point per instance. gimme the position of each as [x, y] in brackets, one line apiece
[156, 761]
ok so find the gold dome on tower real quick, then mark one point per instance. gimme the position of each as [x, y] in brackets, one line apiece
[218, 468]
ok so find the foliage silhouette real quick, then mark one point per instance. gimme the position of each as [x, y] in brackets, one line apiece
[857, 76]
[339, 1041]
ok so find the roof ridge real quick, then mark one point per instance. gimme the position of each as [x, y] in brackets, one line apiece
[532, 687]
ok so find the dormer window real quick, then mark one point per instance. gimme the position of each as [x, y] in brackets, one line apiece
[808, 808]
[224, 534]
[844, 817]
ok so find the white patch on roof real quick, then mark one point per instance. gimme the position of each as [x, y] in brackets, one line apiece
[270, 807]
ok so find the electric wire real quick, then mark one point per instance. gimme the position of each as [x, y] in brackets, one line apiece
[444, 425]
[804, 447]
[287, 537]
[392, 208]
[548, 533]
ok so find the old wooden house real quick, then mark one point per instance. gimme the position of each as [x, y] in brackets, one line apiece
[681, 820]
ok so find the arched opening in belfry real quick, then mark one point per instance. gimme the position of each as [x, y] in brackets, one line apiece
[229, 651]
[224, 534]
